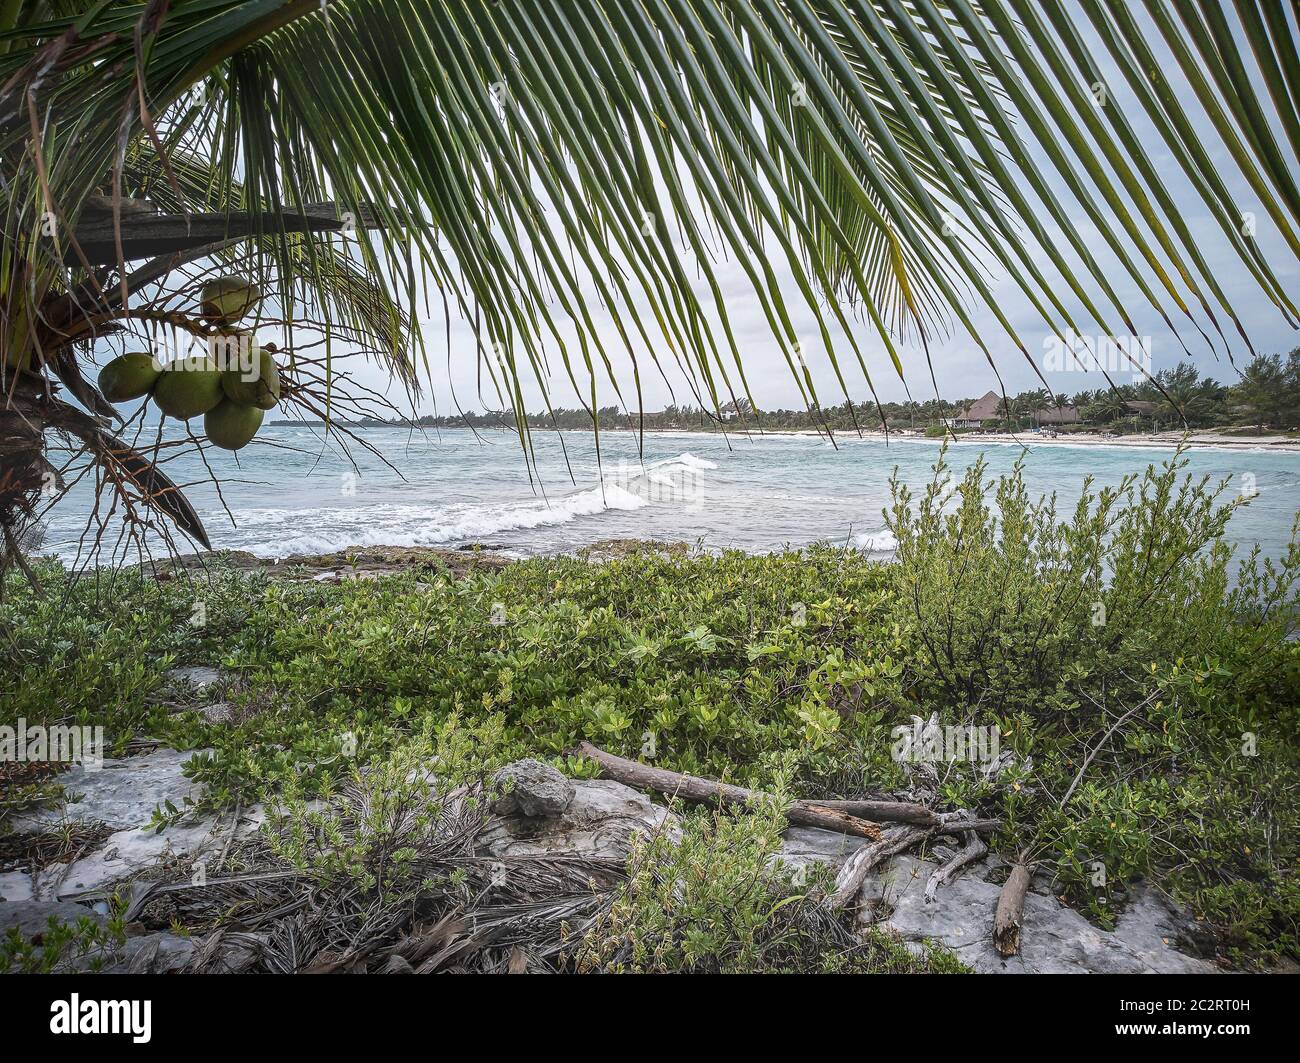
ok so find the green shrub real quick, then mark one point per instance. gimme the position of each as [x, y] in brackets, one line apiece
[717, 902]
[391, 811]
[1147, 698]
[97, 646]
[714, 664]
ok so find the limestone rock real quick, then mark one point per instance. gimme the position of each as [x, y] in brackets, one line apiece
[598, 823]
[33, 917]
[199, 678]
[1054, 940]
[1153, 929]
[124, 794]
[15, 886]
[184, 845]
[1147, 938]
[802, 846]
[121, 793]
[531, 788]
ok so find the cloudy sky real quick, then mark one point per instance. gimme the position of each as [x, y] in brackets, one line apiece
[959, 367]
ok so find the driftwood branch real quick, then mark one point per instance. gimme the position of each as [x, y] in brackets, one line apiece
[909, 812]
[911, 823]
[888, 811]
[970, 852]
[707, 791]
[856, 868]
[1010, 911]
[961, 826]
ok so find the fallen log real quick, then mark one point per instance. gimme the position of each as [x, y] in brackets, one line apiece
[1010, 911]
[708, 791]
[856, 868]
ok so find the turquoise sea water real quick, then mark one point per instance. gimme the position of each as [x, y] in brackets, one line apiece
[758, 493]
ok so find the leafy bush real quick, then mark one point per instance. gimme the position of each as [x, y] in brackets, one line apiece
[392, 810]
[89, 651]
[715, 664]
[1148, 699]
[716, 902]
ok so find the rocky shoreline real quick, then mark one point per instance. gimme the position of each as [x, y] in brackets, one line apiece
[370, 562]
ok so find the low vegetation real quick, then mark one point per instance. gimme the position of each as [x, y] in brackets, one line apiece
[714, 902]
[1133, 684]
[62, 947]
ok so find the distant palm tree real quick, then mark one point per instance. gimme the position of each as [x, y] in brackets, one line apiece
[1187, 399]
[1035, 402]
[1011, 408]
[1269, 389]
[1261, 388]
[1110, 406]
[520, 161]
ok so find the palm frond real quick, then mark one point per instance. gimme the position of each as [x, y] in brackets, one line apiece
[870, 165]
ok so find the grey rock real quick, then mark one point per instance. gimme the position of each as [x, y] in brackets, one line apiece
[802, 846]
[123, 794]
[183, 845]
[120, 793]
[1054, 939]
[159, 953]
[32, 921]
[598, 823]
[531, 788]
[33, 917]
[199, 678]
[1157, 932]
[15, 886]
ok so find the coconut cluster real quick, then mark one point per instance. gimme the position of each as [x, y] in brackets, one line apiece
[232, 398]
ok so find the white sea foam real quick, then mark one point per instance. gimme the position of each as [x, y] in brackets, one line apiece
[676, 480]
[881, 541]
[406, 525]
[684, 461]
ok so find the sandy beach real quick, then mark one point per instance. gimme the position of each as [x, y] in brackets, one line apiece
[1154, 439]
[1167, 440]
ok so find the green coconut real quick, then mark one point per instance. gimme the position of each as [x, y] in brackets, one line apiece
[231, 425]
[128, 376]
[260, 388]
[229, 298]
[188, 387]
